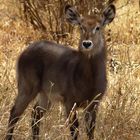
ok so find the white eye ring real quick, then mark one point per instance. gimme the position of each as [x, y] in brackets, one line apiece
[97, 28]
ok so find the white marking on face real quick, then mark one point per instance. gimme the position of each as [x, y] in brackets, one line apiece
[87, 45]
[96, 29]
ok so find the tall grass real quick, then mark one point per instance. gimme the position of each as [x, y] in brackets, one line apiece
[119, 112]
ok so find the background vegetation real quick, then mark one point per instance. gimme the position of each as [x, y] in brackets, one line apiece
[24, 21]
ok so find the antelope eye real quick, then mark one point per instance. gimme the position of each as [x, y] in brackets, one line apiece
[97, 28]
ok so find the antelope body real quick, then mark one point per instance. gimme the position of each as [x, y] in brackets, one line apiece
[53, 71]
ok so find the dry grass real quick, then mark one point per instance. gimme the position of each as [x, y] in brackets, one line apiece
[119, 112]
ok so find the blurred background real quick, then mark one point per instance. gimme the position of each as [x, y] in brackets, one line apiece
[25, 21]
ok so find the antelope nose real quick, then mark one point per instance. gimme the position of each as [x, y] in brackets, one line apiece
[87, 44]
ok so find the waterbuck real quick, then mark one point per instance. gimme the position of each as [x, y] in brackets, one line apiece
[54, 72]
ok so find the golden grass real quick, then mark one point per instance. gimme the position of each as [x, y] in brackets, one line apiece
[119, 112]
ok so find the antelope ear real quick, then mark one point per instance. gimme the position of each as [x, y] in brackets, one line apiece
[108, 15]
[72, 16]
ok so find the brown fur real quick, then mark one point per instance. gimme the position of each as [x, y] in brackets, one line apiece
[55, 72]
